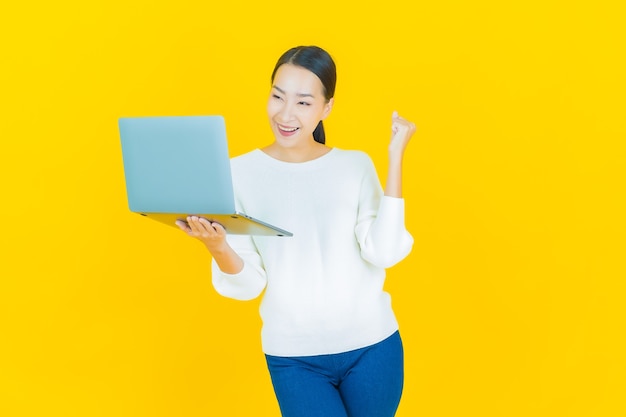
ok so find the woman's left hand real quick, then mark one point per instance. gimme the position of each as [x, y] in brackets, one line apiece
[401, 132]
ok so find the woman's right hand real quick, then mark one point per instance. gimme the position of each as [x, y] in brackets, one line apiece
[212, 234]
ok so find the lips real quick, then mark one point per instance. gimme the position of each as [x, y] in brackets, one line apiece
[287, 131]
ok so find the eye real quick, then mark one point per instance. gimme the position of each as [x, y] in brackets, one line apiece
[277, 97]
[304, 103]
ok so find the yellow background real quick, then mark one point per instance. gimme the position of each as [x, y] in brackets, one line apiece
[512, 301]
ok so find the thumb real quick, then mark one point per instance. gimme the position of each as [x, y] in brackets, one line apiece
[394, 126]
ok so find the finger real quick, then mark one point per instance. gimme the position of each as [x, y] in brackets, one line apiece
[207, 225]
[183, 225]
[394, 122]
[398, 126]
[219, 229]
[194, 225]
[396, 117]
[403, 123]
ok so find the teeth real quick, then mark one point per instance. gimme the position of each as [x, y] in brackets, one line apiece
[293, 129]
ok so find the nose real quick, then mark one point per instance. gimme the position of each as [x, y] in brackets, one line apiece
[285, 112]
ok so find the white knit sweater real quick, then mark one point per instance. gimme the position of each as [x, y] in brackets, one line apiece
[323, 286]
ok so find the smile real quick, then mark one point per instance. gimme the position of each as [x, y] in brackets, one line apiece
[287, 131]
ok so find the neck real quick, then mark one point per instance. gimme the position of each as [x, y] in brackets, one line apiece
[300, 154]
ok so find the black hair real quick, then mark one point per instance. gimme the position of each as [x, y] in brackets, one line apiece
[320, 63]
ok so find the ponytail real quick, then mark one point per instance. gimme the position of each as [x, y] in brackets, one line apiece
[318, 133]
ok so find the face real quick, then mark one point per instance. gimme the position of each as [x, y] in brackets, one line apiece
[296, 105]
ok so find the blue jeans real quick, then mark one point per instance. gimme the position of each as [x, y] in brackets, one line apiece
[366, 382]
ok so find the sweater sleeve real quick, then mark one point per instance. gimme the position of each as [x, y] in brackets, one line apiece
[250, 281]
[380, 228]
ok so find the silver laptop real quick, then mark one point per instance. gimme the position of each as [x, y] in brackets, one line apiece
[176, 166]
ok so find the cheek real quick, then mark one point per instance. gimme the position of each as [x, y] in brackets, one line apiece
[316, 113]
[272, 107]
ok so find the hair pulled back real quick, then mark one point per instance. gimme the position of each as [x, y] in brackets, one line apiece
[320, 63]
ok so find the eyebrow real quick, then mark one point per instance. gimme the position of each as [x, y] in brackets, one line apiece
[298, 94]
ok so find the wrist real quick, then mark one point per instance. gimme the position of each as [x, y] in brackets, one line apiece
[216, 249]
[395, 158]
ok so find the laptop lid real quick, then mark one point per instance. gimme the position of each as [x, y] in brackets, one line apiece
[175, 166]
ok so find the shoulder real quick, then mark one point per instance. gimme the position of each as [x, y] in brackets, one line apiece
[352, 156]
[354, 160]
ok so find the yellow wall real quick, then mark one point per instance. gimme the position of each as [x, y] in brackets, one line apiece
[511, 303]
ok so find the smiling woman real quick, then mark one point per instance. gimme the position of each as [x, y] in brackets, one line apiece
[296, 108]
[329, 333]
[511, 301]
[315, 61]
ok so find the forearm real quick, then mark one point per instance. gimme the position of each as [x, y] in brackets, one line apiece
[227, 259]
[402, 130]
[393, 186]
[243, 283]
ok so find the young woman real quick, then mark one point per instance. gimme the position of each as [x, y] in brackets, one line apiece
[329, 334]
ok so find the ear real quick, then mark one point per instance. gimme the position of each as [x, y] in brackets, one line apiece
[328, 107]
